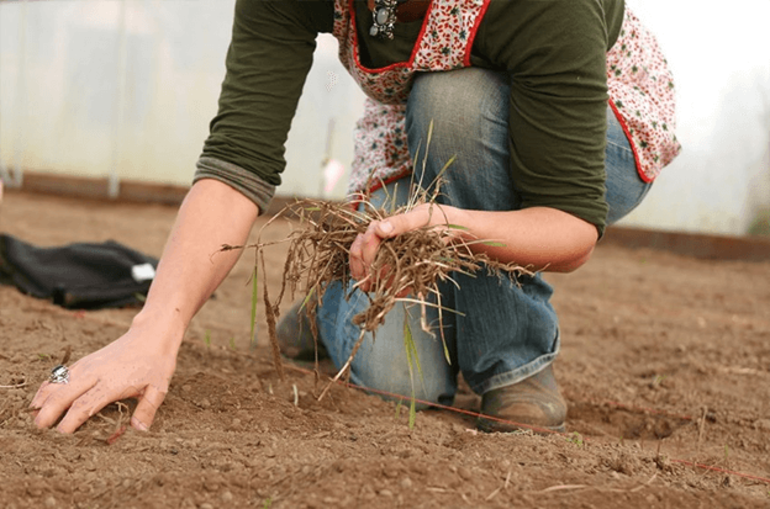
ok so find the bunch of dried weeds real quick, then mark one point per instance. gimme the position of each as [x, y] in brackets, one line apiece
[407, 268]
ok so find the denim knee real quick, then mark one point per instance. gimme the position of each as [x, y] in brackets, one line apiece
[385, 374]
[382, 363]
[458, 103]
[468, 110]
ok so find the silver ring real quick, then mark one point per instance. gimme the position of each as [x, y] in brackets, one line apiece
[59, 375]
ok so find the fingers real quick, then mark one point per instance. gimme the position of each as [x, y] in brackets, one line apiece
[148, 405]
[42, 393]
[357, 270]
[85, 407]
[385, 229]
[87, 403]
[82, 400]
[402, 223]
[76, 385]
[362, 253]
[369, 245]
[53, 399]
[364, 248]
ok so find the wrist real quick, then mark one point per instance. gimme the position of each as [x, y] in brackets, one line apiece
[163, 325]
[455, 217]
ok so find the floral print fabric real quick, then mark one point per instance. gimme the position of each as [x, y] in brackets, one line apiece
[381, 152]
[640, 88]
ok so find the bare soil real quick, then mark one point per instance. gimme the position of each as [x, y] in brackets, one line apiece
[665, 364]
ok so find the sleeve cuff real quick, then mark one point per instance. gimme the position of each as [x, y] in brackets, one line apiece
[240, 179]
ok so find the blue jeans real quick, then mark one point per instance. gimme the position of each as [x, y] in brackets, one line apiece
[507, 332]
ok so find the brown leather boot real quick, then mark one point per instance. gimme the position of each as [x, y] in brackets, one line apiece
[535, 401]
[295, 337]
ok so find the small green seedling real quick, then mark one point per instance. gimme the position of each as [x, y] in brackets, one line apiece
[576, 438]
[232, 343]
[207, 338]
[413, 361]
[398, 407]
[253, 308]
[657, 381]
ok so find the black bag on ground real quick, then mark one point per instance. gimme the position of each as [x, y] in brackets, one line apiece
[77, 276]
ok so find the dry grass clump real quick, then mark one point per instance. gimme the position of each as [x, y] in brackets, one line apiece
[407, 268]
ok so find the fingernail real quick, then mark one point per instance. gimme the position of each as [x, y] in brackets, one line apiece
[386, 227]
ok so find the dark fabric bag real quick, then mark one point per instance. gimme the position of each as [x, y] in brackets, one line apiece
[77, 276]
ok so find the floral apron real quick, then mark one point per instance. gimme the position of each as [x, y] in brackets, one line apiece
[640, 88]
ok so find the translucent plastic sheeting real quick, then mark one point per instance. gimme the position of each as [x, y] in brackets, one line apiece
[125, 89]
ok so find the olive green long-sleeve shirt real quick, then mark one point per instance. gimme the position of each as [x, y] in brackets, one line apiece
[553, 50]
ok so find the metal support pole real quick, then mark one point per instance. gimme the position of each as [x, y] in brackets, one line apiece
[113, 180]
[20, 113]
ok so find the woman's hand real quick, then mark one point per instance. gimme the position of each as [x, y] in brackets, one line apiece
[539, 238]
[136, 365]
[140, 363]
[364, 248]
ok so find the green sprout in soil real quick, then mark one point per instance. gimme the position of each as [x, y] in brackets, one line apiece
[414, 362]
[576, 438]
[657, 381]
[399, 404]
[254, 297]
[207, 338]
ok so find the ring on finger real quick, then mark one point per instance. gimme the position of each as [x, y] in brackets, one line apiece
[59, 375]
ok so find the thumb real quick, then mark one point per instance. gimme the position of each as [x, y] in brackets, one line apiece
[149, 403]
[385, 229]
[402, 223]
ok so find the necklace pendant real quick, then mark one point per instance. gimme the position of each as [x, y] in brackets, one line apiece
[384, 18]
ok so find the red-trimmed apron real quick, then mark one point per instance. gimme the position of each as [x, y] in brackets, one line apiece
[640, 89]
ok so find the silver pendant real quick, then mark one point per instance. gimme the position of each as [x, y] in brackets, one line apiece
[384, 18]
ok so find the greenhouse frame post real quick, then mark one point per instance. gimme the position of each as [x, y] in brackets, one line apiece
[113, 180]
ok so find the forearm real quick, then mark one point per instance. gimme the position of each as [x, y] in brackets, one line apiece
[192, 264]
[541, 237]
[141, 362]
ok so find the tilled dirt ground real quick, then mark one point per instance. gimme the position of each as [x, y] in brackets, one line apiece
[665, 364]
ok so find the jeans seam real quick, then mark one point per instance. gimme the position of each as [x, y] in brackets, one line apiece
[623, 147]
